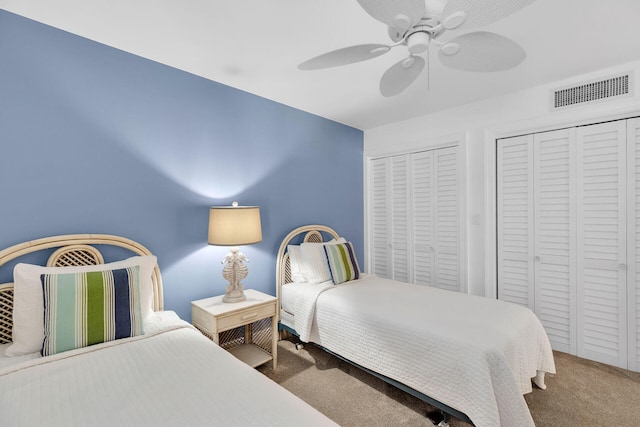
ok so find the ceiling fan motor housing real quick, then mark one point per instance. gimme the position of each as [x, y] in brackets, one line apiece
[418, 42]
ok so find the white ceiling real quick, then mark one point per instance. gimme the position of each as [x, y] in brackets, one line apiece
[256, 45]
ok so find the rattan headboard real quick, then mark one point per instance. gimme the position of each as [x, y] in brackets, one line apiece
[73, 249]
[312, 233]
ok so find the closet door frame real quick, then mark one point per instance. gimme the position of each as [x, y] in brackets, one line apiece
[633, 245]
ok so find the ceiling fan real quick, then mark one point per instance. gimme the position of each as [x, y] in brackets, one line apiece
[417, 24]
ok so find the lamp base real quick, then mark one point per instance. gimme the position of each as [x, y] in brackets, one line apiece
[234, 271]
[234, 295]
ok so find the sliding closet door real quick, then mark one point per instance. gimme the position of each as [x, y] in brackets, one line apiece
[515, 220]
[555, 236]
[601, 303]
[633, 243]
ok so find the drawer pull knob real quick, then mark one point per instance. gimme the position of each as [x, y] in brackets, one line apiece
[249, 316]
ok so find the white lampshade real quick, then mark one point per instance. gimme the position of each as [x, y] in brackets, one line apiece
[234, 225]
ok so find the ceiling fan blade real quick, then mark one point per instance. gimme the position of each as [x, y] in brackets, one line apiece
[395, 13]
[481, 13]
[401, 75]
[481, 51]
[344, 56]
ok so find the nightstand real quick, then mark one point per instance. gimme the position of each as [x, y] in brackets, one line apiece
[247, 329]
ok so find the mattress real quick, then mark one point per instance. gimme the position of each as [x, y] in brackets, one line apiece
[172, 375]
[474, 354]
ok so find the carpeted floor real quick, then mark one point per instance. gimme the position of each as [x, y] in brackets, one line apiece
[582, 393]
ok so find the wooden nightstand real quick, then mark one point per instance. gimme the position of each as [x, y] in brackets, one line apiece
[248, 329]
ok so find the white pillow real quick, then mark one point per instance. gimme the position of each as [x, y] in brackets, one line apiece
[315, 266]
[295, 261]
[28, 299]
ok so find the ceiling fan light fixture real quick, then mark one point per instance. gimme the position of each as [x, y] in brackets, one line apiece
[418, 42]
[450, 49]
[454, 20]
[401, 21]
[408, 62]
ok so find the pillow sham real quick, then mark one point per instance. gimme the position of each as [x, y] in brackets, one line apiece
[342, 262]
[314, 261]
[295, 261]
[83, 309]
[28, 301]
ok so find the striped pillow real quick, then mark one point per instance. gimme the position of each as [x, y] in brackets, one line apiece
[86, 308]
[342, 262]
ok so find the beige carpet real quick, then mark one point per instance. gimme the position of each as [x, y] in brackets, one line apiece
[583, 393]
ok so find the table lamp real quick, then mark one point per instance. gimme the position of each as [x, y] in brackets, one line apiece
[234, 226]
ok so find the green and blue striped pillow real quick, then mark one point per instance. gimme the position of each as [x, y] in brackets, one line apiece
[342, 262]
[82, 309]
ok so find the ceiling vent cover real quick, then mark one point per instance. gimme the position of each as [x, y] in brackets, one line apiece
[592, 91]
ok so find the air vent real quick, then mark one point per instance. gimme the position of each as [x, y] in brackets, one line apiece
[592, 91]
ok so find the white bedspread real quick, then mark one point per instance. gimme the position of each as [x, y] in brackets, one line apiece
[172, 375]
[300, 299]
[475, 354]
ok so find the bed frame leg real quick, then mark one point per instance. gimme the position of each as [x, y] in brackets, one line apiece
[445, 420]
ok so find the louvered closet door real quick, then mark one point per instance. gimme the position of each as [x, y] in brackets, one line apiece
[633, 243]
[515, 220]
[390, 218]
[601, 303]
[379, 219]
[422, 209]
[414, 218]
[399, 219]
[555, 236]
[447, 249]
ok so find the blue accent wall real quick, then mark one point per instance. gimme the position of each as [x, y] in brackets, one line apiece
[97, 140]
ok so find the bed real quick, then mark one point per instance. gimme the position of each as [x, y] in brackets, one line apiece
[471, 357]
[164, 372]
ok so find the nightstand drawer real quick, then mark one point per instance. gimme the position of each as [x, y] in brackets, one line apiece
[203, 321]
[243, 317]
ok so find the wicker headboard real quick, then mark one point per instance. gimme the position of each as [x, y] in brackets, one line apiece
[73, 250]
[312, 233]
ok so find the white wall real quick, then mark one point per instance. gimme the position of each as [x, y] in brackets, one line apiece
[478, 125]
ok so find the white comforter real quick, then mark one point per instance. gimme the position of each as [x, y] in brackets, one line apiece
[171, 376]
[300, 299]
[475, 354]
